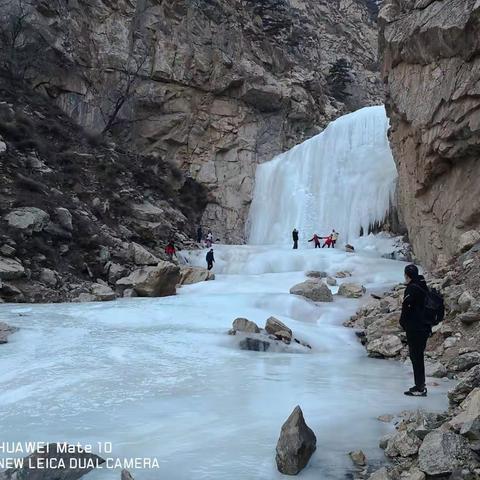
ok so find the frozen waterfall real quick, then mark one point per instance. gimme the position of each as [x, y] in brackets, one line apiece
[343, 178]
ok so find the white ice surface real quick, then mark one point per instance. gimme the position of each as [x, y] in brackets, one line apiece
[160, 377]
[343, 178]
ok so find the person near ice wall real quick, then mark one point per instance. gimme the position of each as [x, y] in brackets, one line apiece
[295, 238]
[334, 237]
[417, 329]
[316, 240]
[328, 241]
[210, 259]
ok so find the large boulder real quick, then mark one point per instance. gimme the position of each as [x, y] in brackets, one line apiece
[314, 290]
[470, 381]
[296, 444]
[5, 331]
[10, 269]
[28, 219]
[77, 463]
[244, 325]
[158, 281]
[442, 452]
[189, 275]
[351, 290]
[386, 346]
[141, 256]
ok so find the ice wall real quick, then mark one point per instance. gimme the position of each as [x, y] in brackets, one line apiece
[343, 178]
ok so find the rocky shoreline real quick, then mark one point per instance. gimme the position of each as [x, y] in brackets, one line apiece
[431, 445]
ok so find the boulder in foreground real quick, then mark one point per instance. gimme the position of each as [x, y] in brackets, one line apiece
[296, 444]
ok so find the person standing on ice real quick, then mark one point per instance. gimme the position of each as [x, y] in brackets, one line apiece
[295, 238]
[334, 236]
[316, 240]
[328, 241]
[210, 259]
[199, 234]
[413, 322]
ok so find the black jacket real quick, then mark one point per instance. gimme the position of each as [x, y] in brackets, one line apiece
[295, 235]
[412, 317]
[209, 257]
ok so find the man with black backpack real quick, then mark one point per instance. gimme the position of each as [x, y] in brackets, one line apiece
[421, 309]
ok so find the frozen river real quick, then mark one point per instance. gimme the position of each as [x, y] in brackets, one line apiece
[161, 378]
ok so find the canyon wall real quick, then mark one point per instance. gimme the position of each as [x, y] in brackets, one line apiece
[215, 87]
[431, 69]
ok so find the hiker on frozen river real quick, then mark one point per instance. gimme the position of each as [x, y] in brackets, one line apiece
[295, 238]
[413, 322]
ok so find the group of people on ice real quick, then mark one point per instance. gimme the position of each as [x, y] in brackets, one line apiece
[171, 251]
[330, 240]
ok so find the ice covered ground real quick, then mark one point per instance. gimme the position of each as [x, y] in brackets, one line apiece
[160, 377]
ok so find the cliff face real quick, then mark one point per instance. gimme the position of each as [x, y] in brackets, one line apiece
[78, 213]
[431, 68]
[214, 86]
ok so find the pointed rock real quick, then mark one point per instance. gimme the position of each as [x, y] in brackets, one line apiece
[296, 444]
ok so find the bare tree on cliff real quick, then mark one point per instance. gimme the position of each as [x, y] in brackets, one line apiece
[20, 45]
[124, 91]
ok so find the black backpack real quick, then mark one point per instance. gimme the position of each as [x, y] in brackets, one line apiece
[434, 308]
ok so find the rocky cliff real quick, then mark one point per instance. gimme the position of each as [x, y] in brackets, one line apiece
[214, 86]
[78, 213]
[431, 69]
